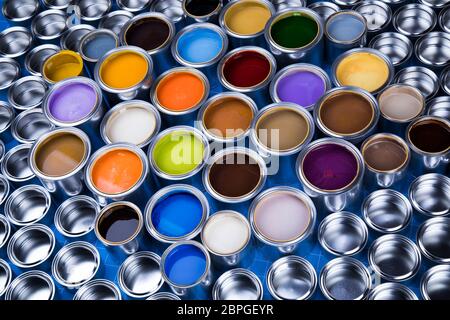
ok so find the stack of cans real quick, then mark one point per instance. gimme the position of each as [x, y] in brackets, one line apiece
[226, 150]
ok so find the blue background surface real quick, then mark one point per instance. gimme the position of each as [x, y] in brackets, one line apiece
[263, 255]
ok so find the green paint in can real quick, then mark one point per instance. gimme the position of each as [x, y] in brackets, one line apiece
[294, 31]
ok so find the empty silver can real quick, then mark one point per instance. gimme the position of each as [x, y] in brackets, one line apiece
[444, 19]
[15, 42]
[163, 296]
[440, 107]
[396, 46]
[238, 284]
[394, 257]
[15, 165]
[343, 234]
[139, 276]
[435, 283]
[31, 246]
[387, 211]
[414, 20]
[291, 278]
[115, 20]
[27, 93]
[432, 49]
[10, 72]
[377, 13]
[134, 6]
[20, 11]
[345, 278]
[391, 291]
[75, 264]
[5, 276]
[445, 80]
[31, 285]
[433, 238]
[91, 11]
[29, 125]
[422, 78]
[49, 25]
[430, 194]
[5, 230]
[57, 4]
[98, 289]
[324, 8]
[172, 9]
[7, 115]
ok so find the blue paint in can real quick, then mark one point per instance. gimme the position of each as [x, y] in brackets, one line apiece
[199, 45]
[345, 27]
[185, 264]
[177, 214]
[96, 47]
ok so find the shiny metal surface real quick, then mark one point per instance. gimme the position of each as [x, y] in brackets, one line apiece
[90, 36]
[31, 285]
[343, 234]
[238, 284]
[435, 283]
[29, 125]
[5, 230]
[324, 8]
[7, 115]
[27, 93]
[31, 246]
[139, 275]
[70, 40]
[433, 49]
[5, 276]
[115, 20]
[98, 289]
[27, 205]
[346, 3]
[75, 264]
[291, 278]
[37, 56]
[394, 257]
[15, 42]
[93, 10]
[57, 4]
[414, 20]
[436, 4]
[422, 78]
[49, 25]
[378, 15]
[171, 8]
[9, 72]
[20, 10]
[133, 5]
[163, 296]
[15, 165]
[387, 211]
[391, 291]
[445, 80]
[430, 194]
[433, 238]
[345, 278]
[444, 18]
[4, 189]
[396, 46]
[440, 107]
[281, 5]
[76, 216]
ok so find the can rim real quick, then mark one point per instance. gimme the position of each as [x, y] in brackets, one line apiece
[43, 14]
[418, 6]
[394, 36]
[416, 183]
[230, 274]
[391, 286]
[5, 266]
[70, 32]
[424, 71]
[33, 273]
[6, 158]
[19, 19]
[216, 10]
[433, 271]
[380, 4]
[411, 145]
[418, 50]
[24, 50]
[101, 14]
[36, 50]
[7, 225]
[97, 282]
[432, 222]
[21, 81]
[91, 34]
[122, 6]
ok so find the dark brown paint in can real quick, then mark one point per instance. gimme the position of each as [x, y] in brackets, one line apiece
[148, 33]
[430, 135]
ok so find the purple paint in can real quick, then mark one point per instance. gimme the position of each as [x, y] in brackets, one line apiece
[304, 88]
[72, 102]
[330, 167]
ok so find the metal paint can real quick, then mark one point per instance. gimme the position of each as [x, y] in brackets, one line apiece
[36, 57]
[31, 285]
[431, 186]
[396, 46]
[27, 93]
[238, 284]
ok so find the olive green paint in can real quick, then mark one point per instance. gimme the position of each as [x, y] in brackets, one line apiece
[294, 31]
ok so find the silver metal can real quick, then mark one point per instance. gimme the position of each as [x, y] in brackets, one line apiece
[345, 278]
[15, 42]
[444, 19]
[435, 283]
[70, 40]
[115, 20]
[414, 20]
[163, 296]
[396, 46]
[76, 216]
[291, 278]
[430, 195]
[91, 11]
[172, 9]
[152, 221]
[234, 156]
[440, 107]
[5, 230]
[98, 289]
[324, 8]
[5, 276]
[422, 78]
[394, 257]
[36, 57]
[445, 80]
[10, 72]
[27, 93]
[75, 264]
[174, 255]
[391, 291]
[311, 52]
[128, 242]
[134, 6]
[7, 116]
[432, 49]
[290, 227]
[333, 199]
[49, 25]
[433, 237]
[31, 246]
[28, 205]
[343, 234]
[20, 11]
[238, 284]
[31, 285]
[377, 13]
[139, 276]
[69, 183]
[15, 165]
[56, 4]
[29, 125]
[281, 5]
[387, 211]
[226, 235]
